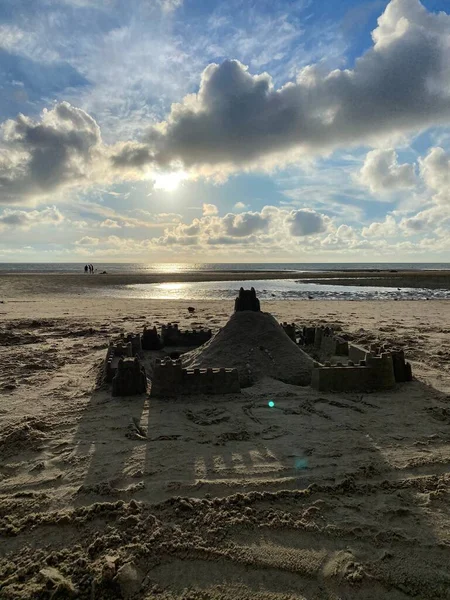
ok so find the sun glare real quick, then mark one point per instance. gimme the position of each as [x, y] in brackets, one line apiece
[169, 182]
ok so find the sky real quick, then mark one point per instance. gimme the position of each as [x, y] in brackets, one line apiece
[238, 131]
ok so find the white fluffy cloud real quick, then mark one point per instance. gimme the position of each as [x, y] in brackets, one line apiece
[26, 219]
[400, 84]
[210, 209]
[87, 241]
[435, 220]
[435, 170]
[270, 226]
[382, 173]
[381, 229]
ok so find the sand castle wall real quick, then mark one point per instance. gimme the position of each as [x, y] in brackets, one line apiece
[308, 335]
[172, 336]
[356, 353]
[113, 354]
[374, 373]
[130, 378]
[135, 340]
[170, 379]
[289, 329]
[151, 339]
[328, 343]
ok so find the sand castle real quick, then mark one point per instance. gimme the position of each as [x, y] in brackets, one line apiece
[130, 378]
[376, 368]
[170, 379]
[247, 300]
[289, 329]
[374, 373]
[251, 345]
[172, 336]
[114, 353]
[151, 339]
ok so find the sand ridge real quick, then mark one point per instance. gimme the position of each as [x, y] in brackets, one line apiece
[323, 496]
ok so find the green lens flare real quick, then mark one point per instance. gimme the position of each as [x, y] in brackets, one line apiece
[271, 403]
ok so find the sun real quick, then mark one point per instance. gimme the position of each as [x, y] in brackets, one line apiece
[169, 182]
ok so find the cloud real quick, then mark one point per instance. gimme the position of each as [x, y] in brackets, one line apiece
[210, 209]
[435, 169]
[110, 224]
[435, 220]
[306, 222]
[170, 5]
[270, 227]
[107, 217]
[240, 206]
[381, 229]
[245, 223]
[382, 173]
[399, 85]
[25, 219]
[239, 120]
[37, 158]
[87, 241]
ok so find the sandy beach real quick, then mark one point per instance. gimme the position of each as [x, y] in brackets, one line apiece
[322, 496]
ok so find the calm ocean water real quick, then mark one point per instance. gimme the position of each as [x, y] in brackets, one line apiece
[186, 267]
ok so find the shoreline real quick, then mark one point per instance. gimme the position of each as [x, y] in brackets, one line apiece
[38, 284]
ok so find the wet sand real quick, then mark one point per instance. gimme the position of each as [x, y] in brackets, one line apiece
[336, 496]
[19, 285]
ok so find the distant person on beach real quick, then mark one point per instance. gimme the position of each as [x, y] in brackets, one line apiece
[85, 268]
[92, 268]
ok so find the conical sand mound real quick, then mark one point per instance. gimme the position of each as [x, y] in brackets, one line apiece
[256, 345]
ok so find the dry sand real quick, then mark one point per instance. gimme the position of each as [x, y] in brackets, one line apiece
[325, 496]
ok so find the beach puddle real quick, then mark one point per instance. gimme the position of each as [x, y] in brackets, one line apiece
[275, 289]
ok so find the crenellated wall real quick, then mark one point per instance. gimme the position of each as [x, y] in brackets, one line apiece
[328, 343]
[170, 379]
[135, 340]
[172, 336]
[289, 329]
[374, 373]
[113, 354]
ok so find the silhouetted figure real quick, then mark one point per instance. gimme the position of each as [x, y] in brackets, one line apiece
[85, 268]
[247, 300]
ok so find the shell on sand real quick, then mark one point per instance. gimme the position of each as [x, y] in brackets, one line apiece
[256, 345]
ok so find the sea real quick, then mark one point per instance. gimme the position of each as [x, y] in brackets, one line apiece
[275, 289]
[195, 267]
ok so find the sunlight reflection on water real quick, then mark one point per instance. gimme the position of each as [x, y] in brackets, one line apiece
[275, 289]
